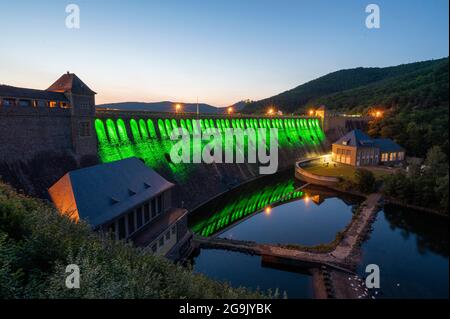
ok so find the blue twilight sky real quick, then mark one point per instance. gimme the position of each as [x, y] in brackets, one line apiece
[219, 50]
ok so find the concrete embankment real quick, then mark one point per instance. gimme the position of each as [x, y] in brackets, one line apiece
[304, 175]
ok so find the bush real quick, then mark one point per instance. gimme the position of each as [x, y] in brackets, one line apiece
[364, 180]
[36, 244]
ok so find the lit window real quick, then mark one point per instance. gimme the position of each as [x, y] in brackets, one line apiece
[52, 104]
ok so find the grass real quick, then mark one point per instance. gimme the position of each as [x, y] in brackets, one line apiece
[346, 172]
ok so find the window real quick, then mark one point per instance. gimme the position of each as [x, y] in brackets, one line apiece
[159, 204]
[153, 202]
[401, 156]
[161, 241]
[112, 229]
[168, 235]
[146, 213]
[139, 216]
[384, 157]
[8, 102]
[174, 230]
[85, 129]
[393, 157]
[24, 103]
[122, 228]
[41, 103]
[154, 248]
[64, 105]
[52, 104]
[131, 222]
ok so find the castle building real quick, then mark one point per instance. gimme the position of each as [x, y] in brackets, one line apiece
[60, 116]
[128, 200]
[357, 149]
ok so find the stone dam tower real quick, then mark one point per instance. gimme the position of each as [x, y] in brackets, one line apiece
[46, 132]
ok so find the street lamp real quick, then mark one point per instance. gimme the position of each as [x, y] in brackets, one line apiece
[230, 110]
[311, 112]
[177, 107]
[270, 111]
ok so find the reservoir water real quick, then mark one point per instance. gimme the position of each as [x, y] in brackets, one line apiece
[410, 248]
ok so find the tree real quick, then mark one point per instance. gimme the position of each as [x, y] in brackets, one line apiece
[365, 180]
[436, 162]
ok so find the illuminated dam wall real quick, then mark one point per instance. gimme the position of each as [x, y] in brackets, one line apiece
[124, 135]
[211, 221]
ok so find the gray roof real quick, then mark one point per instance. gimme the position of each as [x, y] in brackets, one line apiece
[387, 145]
[103, 192]
[356, 138]
[16, 92]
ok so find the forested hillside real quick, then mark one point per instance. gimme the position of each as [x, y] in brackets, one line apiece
[420, 83]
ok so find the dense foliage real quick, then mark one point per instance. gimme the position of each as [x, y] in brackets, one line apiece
[364, 180]
[423, 185]
[423, 84]
[36, 244]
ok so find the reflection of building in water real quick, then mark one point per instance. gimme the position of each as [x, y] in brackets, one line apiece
[222, 213]
[317, 199]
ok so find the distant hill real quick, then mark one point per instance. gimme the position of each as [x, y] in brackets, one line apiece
[165, 106]
[421, 84]
[168, 106]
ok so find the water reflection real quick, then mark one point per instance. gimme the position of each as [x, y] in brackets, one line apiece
[247, 271]
[411, 249]
[276, 210]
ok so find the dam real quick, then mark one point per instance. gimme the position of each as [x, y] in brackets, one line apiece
[147, 136]
[46, 133]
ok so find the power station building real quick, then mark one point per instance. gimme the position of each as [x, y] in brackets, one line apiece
[357, 149]
[128, 200]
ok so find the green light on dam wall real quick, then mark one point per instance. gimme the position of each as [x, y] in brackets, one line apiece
[247, 204]
[149, 139]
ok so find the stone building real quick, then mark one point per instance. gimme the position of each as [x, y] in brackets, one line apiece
[357, 149]
[58, 118]
[128, 200]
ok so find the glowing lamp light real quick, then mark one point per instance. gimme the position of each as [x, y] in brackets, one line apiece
[178, 107]
[311, 112]
[230, 110]
[270, 111]
[268, 210]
